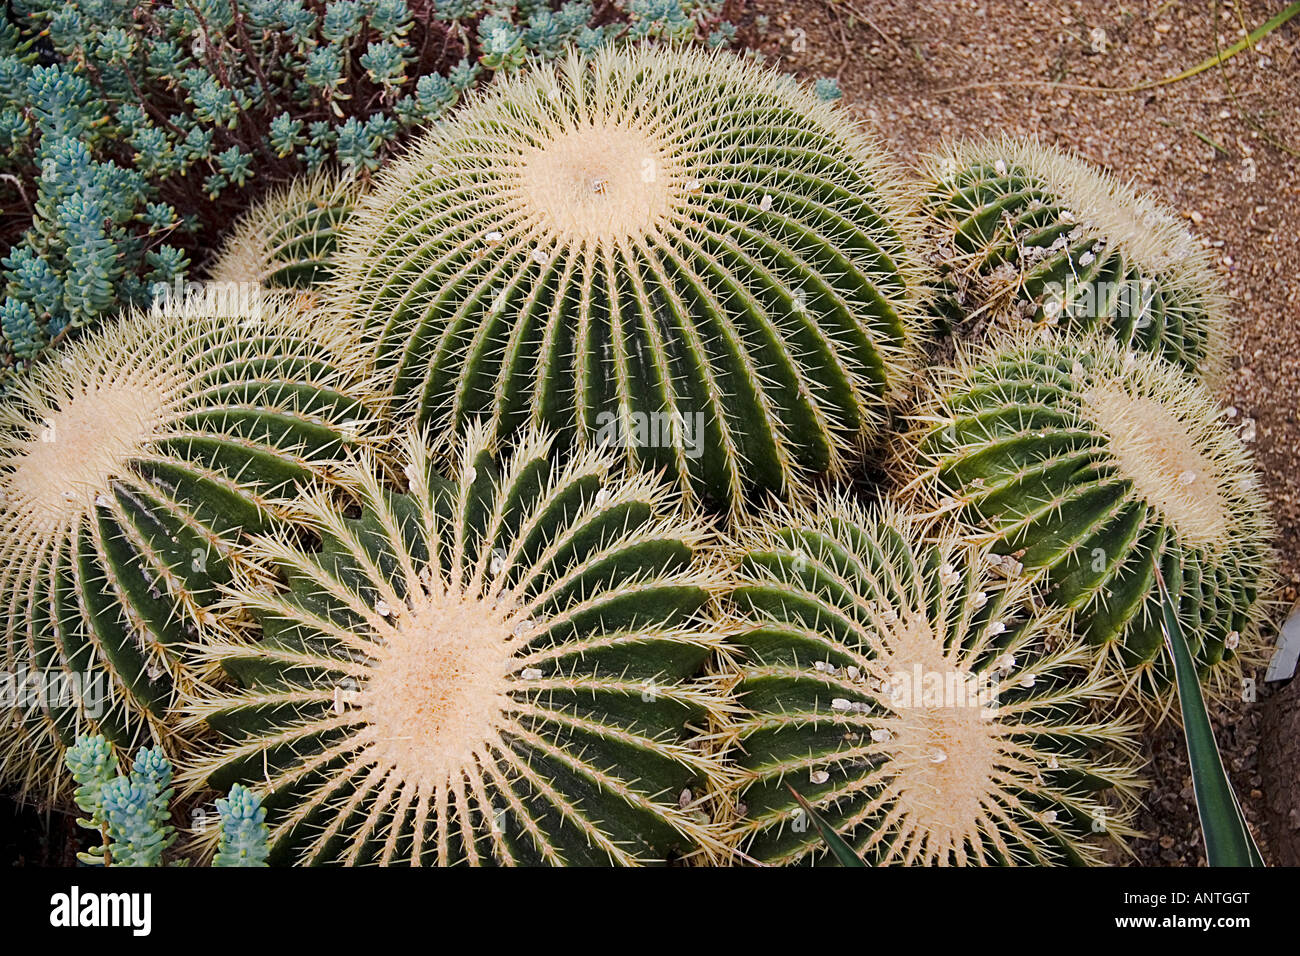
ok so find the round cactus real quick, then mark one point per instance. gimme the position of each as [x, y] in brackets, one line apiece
[1091, 463]
[129, 462]
[674, 253]
[1030, 235]
[488, 669]
[289, 240]
[925, 705]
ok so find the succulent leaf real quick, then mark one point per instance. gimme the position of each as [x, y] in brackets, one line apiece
[243, 830]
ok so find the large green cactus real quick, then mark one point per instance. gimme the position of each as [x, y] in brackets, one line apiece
[1028, 234]
[488, 669]
[290, 239]
[1086, 461]
[129, 463]
[677, 253]
[924, 704]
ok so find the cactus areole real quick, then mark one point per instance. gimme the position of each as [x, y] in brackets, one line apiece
[676, 254]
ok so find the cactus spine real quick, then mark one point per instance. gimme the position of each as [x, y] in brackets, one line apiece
[289, 240]
[129, 464]
[1029, 234]
[676, 253]
[1087, 462]
[925, 705]
[488, 669]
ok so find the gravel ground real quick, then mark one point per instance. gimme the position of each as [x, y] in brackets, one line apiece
[1220, 148]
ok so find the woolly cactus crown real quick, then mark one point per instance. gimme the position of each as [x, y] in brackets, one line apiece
[290, 239]
[129, 463]
[1030, 232]
[493, 668]
[922, 702]
[1086, 461]
[676, 253]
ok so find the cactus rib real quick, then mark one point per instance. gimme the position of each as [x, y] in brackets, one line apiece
[1030, 234]
[290, 239]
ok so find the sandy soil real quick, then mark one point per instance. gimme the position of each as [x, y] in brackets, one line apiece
[1220, 148]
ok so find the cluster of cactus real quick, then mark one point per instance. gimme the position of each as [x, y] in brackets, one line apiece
[490, 580]
[121, 122]
[691, 259]
[131, 812]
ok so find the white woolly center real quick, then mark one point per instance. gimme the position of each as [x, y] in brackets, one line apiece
[438, 689]
[1154, 449]
[598, 182]
[944, 746]
[80, 448]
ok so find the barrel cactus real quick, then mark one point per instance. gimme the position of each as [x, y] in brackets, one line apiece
[289, 240]
[1030, 235]
[1091, 463]
[491, 668]
[924, 703]
[674, 253]
[130, 461]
